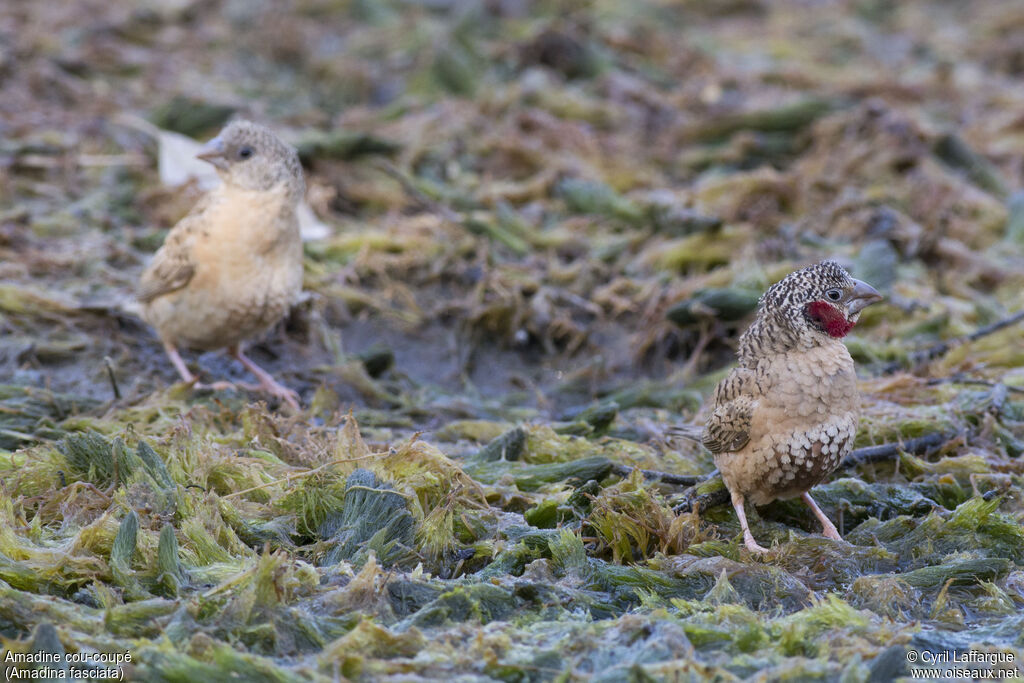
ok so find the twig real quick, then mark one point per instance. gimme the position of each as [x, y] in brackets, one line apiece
[296, 475]
[859, 456]
[110, 375]
[416, 194]
[889, 451]
[958, 379]
[982, 331]
[664, 477]
[923, 356]
[357, 487]
[17, 435]
[705, 337]
[704, 501]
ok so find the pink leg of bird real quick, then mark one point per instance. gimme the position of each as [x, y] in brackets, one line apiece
[178, 363]
[830, 530]
[186, 374]
[267, 382]
[748, 538]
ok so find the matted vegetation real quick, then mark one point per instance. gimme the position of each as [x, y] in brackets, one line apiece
[547, 223]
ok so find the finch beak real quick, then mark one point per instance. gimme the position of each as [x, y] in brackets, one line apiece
[213, 152]
[862, 296]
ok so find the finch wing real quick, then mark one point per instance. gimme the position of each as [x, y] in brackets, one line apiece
[728, 427]
[173, 266]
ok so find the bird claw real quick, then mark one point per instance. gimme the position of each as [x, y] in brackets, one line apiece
[273, 388]
[828, 529]
[281, 392]
[267, 383]
[214, 386]
[753, 546]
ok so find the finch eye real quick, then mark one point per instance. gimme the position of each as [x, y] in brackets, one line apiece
[245, 152]
[834, 294]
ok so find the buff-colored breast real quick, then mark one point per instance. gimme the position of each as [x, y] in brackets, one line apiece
[247, 255]
[801, 428]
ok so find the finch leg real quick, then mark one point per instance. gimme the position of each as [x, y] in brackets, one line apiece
[830, 530]
[215, 386]
[179, 364]
[267, 382]
[748, 538]
[186, 374]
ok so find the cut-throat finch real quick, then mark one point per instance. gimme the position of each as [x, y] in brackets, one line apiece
[784, 419]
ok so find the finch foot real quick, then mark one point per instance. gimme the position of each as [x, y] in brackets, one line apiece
[828, 528]
[179, 364]
[215, 386]
[267, 383]
[748, 538]
[186, 374]
[752, 545]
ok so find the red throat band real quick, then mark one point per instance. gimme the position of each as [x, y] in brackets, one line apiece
[830, 318]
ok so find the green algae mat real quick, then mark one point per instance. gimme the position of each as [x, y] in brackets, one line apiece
[542, 227]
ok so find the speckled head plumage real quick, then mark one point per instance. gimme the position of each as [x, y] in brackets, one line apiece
[807, 308]
[252, 157]
[821, 298]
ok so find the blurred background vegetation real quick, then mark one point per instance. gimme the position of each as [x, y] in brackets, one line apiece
[539, 229]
